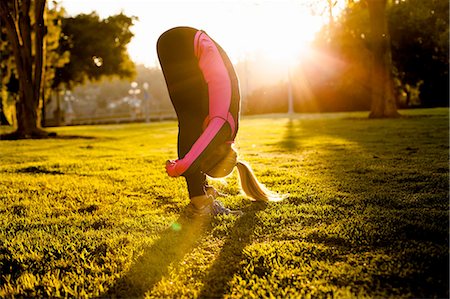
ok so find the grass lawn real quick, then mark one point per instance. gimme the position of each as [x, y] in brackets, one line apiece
[94, 214]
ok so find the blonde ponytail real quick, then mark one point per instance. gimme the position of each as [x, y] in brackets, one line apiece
[221, 163]
[252, 187]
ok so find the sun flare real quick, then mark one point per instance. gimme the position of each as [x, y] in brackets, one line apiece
[290, 39]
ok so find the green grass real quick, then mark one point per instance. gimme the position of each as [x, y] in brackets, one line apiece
[96, 215]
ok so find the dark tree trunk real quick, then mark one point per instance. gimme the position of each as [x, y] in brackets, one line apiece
[28, 46]
[382, 95]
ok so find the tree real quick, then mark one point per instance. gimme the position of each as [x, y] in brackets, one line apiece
[97, 49]
[383, 102]
[420, 47]
[52, 59]
[26, 30]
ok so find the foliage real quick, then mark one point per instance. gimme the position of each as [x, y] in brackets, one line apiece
[333, 76]
[109, 61]
[337, 76]
[55, 57]
[6, 61]
[420, 47]
[95, 215]
[97, 48]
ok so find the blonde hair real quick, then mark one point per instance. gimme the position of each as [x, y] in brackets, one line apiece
[252, 187]
[221, 164]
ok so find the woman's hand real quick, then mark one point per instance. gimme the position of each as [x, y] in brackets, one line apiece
[171, 168]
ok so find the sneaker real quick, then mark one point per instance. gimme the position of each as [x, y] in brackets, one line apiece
[213, 209]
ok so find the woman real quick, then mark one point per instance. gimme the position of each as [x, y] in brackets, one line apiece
[204, 91]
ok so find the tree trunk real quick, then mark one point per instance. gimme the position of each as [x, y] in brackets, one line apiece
[29, 59]
[383, 103]
[3, 120]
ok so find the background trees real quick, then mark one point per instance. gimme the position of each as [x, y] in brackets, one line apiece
[97, 48]
[36, 54]
[420, 32]
[335, 76]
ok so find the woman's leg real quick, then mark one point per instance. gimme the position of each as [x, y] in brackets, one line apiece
[196, 184]
[190, 128]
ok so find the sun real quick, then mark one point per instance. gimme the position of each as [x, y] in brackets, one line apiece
[281, 29]
[289, 38]
[287, 48]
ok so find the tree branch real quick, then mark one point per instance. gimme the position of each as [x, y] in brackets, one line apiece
[11, 31]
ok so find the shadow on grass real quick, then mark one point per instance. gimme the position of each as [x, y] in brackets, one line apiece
[174, 243]
[215, 283]
[47, 135]
[290, 138]
[38, 169]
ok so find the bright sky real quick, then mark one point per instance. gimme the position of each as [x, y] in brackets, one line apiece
[279, 29]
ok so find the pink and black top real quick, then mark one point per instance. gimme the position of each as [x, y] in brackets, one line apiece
[204, 91]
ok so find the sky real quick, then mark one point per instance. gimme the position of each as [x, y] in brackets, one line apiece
[279, 29]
